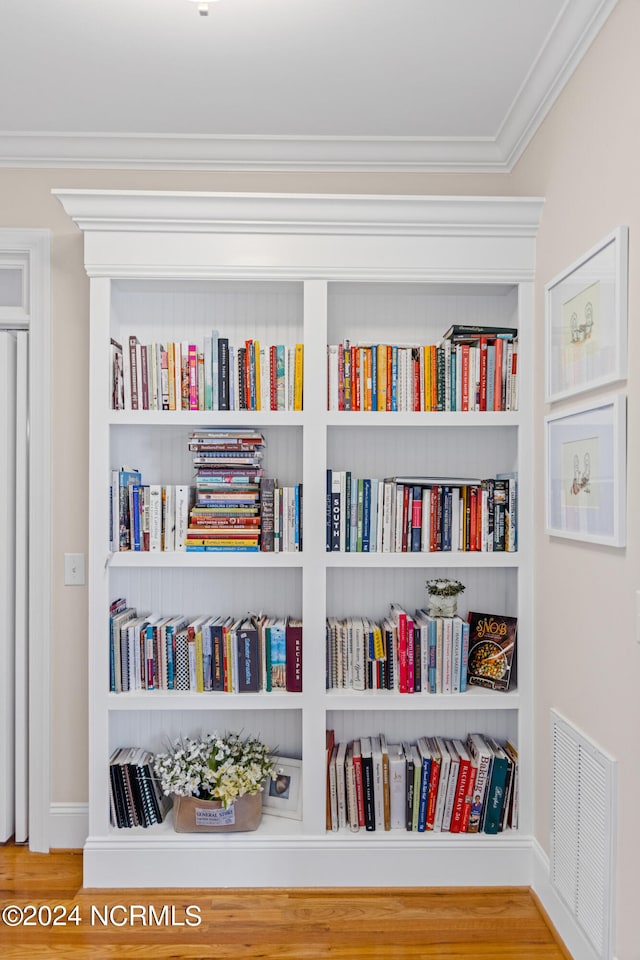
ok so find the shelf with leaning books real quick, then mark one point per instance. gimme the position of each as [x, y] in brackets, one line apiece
[427, 783]
[216, 654]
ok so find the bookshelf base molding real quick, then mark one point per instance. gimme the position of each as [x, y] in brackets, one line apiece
[306, 862]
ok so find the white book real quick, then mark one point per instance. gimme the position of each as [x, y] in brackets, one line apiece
[452, 783]
[443, 782]
[350, 780]
[333, 789]
[373, 516]
[332, 364]
[169, 518]
[155, 518]
[183, 506]
[387, 523]
[215, 334]
[341, 785]
[447, 654]
[379, 515]
[397, 787]
[359, 656]
[456, 654]
[399, 498]
[378, 787]
[483, 760]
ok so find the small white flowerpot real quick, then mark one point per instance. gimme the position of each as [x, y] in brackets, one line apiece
[192, 815]
[442, 606]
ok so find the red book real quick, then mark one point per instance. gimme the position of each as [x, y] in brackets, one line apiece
[497, 384]
[416, 521]
[401, 621]
[465, 376]
[411, 666]
[462, 787]
[389, 403]
[468, 798]
[415, 361]
[357, 768]
[483, 373]
[293, 640]
[434, 780]
[434, 498]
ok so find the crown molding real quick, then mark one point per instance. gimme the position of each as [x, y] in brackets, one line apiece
[575, 28]
[250, 153]
[135, 210]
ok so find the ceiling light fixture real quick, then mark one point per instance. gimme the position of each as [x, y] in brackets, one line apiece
[203, 6]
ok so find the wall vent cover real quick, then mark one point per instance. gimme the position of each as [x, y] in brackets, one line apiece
[583, 831]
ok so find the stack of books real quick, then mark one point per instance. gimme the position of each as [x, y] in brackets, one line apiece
[228, 471]
[135, 797]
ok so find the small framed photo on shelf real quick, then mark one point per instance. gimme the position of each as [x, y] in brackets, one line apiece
[586, 320]
[586, 472]
[282, 795]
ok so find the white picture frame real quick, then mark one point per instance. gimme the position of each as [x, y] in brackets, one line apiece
[586, 320]
[282, 795]
[586, 472]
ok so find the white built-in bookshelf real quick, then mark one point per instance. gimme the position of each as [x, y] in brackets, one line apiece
[315, 270]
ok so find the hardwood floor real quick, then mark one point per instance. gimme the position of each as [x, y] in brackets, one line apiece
[279, 924]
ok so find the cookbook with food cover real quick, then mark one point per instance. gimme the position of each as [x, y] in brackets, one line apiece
[492, 645]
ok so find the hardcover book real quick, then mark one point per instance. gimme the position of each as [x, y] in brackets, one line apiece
[492, 644]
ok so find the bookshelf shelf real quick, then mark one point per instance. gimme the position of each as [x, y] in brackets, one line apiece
[313, 270]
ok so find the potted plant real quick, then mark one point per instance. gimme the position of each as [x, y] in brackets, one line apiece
[443, 597]
[216, 781]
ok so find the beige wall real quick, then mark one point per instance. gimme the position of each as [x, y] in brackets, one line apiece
[584, 161]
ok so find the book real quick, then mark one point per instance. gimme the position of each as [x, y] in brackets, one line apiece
[330, 743]
[483, 759]
[293, 665]
[496, 788]
[492, 642]
[368, 783]
[470, 332]
[248, 649]
[397, 787]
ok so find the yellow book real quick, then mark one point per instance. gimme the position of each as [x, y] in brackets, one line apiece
[298, 372]
[256, 354]
[426, 356]
[378, 643]
[199, 661]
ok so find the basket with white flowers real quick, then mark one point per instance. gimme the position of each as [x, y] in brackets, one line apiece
[216, 781]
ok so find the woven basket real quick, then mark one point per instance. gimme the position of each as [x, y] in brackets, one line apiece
[191, 815]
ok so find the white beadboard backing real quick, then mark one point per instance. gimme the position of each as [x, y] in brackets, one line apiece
[368, 593]
[214, 590]
[583, 831]
[176, 310]
[415, 312]
[387, 451]
[162, 452]
[399, 725]
[280, 729]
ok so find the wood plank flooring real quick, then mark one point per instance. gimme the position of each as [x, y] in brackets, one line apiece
[278, 924]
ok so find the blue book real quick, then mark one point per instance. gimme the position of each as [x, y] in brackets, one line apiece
[494, 796]
[424, 783]
[374, 377]
[366, 514]
[394, 378]
[432, 654]
[207, 655]
[328, 512]
[135, 515]
[296, 517]
[464, 658]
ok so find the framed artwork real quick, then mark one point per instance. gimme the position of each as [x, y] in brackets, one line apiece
[282, 795]
[586, 472]
[586, 320]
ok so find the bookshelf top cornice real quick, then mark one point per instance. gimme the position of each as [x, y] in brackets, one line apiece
[269, 213]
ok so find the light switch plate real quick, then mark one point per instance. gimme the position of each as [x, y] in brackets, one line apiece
[74, 569]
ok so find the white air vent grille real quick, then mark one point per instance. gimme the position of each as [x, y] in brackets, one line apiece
[582, 831]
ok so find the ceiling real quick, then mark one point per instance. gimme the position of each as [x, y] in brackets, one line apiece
[284, 84]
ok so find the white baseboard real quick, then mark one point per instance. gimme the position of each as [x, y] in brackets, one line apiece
[68, 825]
[559, 914]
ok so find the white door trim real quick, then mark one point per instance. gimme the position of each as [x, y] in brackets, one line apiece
[32, 249]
